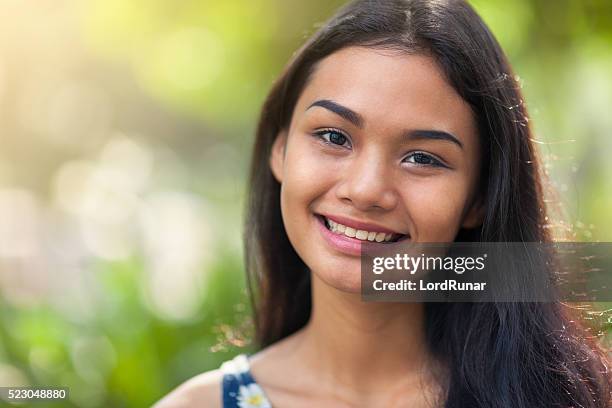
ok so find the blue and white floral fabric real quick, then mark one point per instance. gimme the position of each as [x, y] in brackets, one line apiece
[239, 387]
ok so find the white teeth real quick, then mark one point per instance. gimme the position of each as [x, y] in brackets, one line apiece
[359, 234]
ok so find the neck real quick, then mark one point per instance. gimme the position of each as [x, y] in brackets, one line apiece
[365, 346]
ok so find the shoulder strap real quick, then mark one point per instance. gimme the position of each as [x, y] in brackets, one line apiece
[238, 384]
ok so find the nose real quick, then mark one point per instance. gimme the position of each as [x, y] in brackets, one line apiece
[368, 184]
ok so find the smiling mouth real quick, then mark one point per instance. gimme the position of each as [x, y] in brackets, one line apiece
[362, 235]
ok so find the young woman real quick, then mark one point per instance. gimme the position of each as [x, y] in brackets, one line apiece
[396, 120]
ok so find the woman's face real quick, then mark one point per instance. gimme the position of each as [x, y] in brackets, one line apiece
[379, 147]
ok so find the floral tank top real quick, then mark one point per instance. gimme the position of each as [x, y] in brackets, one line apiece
[239, 389]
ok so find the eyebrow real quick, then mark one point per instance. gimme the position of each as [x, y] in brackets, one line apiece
[346, 113]
[357, 120]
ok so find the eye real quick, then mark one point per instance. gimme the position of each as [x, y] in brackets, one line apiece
[423, 159]
[333, 137]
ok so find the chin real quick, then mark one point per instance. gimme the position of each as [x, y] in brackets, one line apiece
[346, 280]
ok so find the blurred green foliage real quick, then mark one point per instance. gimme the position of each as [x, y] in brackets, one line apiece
[126, 126]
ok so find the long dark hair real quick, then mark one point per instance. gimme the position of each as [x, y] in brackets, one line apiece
[499, 354]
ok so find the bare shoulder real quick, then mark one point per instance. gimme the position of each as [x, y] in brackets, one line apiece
[203, 390]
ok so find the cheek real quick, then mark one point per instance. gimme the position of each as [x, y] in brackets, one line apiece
[306, 176]
[309, 173]
[435, 206]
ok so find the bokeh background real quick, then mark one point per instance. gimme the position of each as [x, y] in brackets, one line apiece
[125, 131]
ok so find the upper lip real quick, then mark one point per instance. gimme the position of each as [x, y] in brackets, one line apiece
[360, 225]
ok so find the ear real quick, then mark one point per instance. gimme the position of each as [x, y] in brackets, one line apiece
[277, 156]
[475, 216]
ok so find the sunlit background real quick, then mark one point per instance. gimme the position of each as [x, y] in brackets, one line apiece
[125, 130]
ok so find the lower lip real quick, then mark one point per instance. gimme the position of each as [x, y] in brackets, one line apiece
[342, 243]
